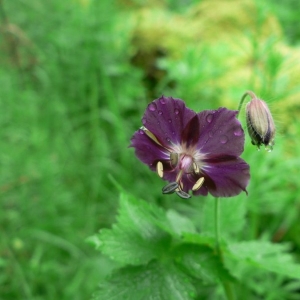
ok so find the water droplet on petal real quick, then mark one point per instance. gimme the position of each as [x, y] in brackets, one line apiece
[152, 106]
[162, 100]
[238, 131]
[210, 133]
[144, 120]
[170, 121]
[141, 131]
[223, 139]
[209, 118]
[160, 112]
[176, 111]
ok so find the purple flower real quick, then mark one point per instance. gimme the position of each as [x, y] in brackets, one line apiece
[197, 152]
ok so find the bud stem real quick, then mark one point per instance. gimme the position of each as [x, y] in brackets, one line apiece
[247, 93]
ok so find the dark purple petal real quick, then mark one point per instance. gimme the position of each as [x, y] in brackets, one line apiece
[190, 134]
[225, 177]
[166, 118]
[169, 173]
[220, 133]
[148, 151]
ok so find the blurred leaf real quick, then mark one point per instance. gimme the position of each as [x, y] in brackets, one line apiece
[203, 263]
[151, 282]
[267, 256]
[180, 224]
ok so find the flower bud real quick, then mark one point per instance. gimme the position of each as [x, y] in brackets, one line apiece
[260, 123]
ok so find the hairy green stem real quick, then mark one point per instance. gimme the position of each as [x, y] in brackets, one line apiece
[217, 228]
[228, 288]
[247, 93]
[2, 12]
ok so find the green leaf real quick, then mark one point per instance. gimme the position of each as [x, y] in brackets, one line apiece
[179, 223]
[267, 256]
[203, 263]
[142, 216]
[138, 236]
[154, 281]
[231, 216]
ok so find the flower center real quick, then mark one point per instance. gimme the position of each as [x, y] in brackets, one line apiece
[185, 162]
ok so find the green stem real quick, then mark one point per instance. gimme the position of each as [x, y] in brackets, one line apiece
[228, 287]
[217, 228]
[2, 13]
[247, 93]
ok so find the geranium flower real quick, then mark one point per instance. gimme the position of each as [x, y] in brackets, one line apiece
[196, 152]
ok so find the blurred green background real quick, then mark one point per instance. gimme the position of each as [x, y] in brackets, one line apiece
[75, 78]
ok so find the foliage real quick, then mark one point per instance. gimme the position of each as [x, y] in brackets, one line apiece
[157, 261]
[75, 78]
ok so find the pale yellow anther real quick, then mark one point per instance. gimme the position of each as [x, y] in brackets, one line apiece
[160, 169]
[151, 135]
[174, 158]
[196, 168]
[198, 184]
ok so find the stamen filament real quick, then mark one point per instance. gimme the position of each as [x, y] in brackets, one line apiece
[179, 175]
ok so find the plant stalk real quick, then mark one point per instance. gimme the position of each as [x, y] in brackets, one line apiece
[217, 226]
[247, 93]
[228, 288]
